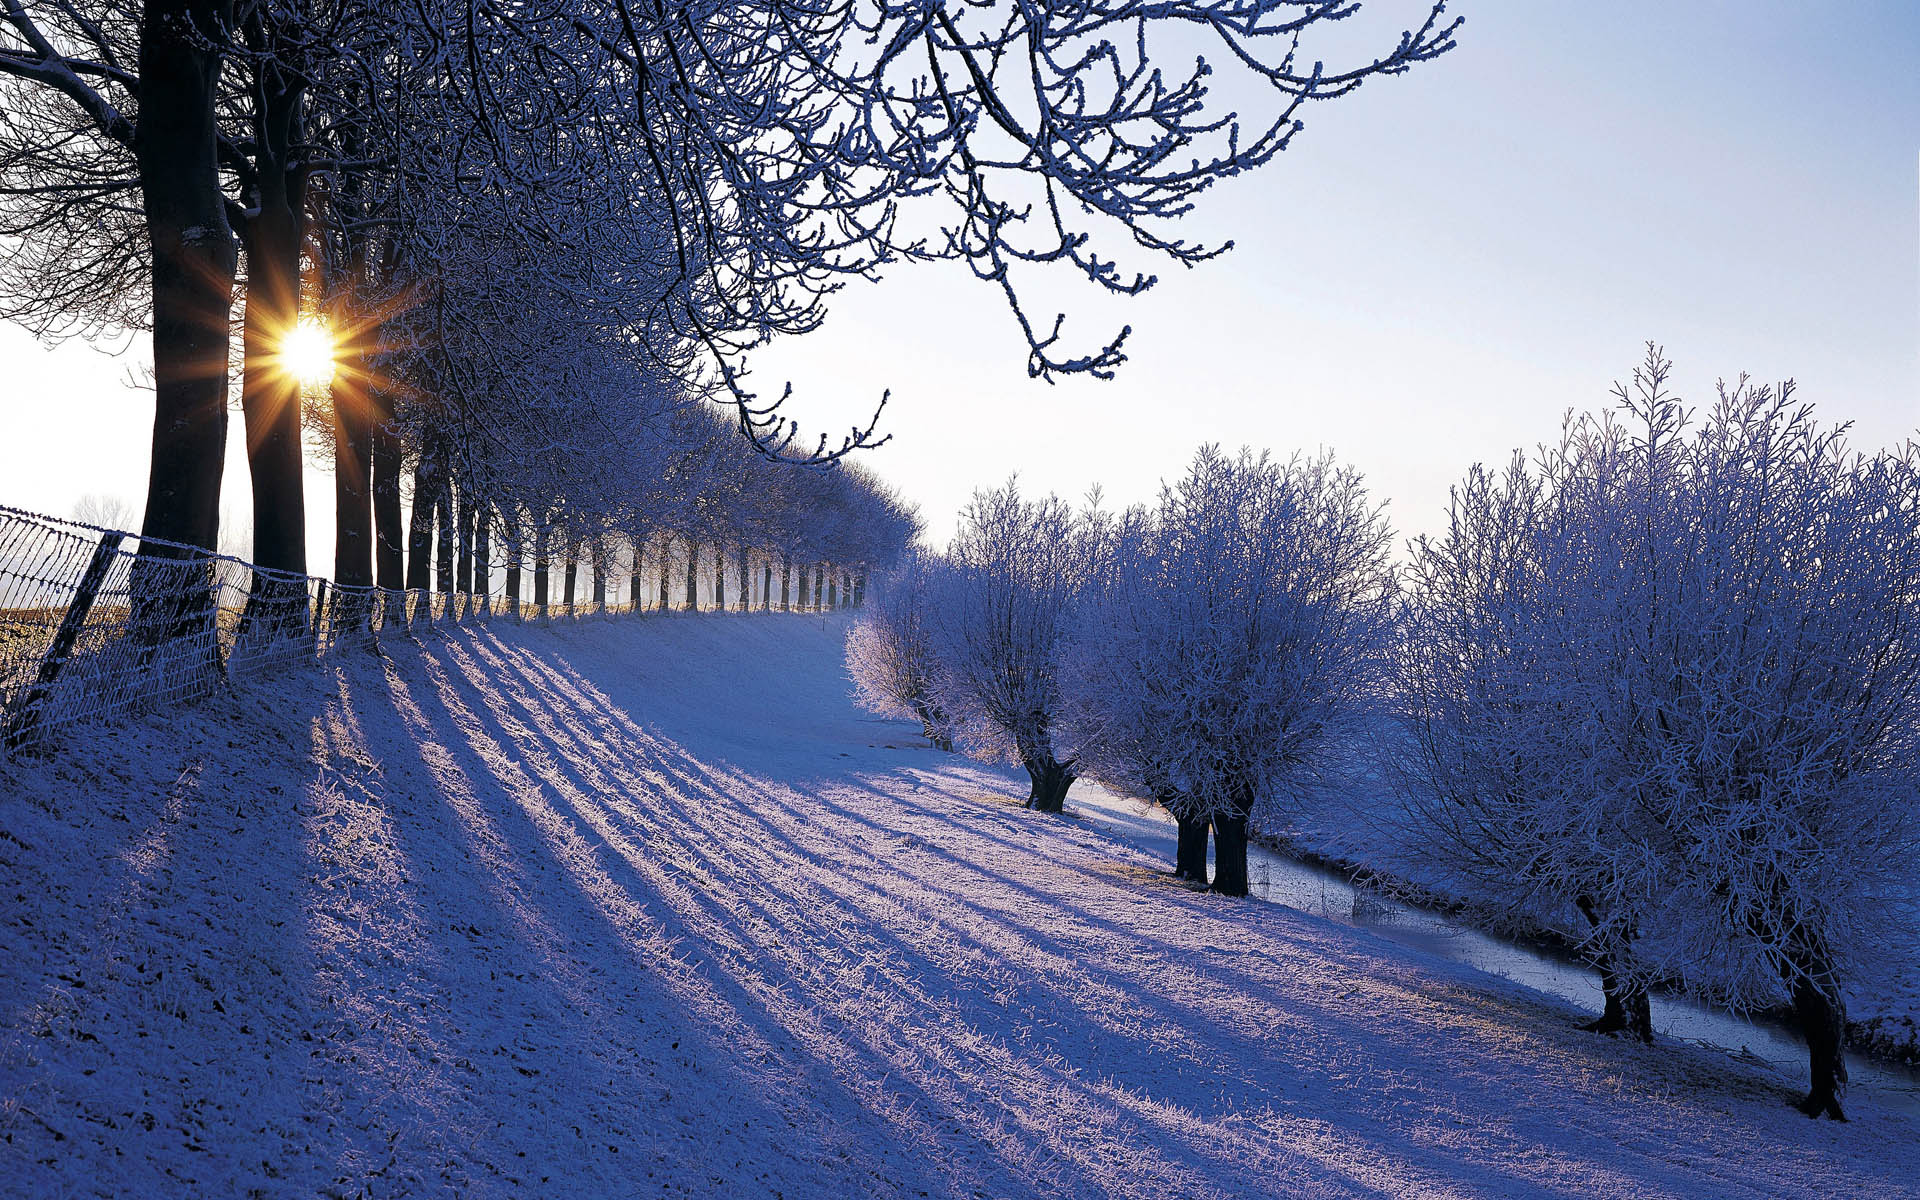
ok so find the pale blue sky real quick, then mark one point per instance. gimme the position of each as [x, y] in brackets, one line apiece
[1439, 267]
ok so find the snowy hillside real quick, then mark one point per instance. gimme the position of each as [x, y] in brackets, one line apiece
[647, 908]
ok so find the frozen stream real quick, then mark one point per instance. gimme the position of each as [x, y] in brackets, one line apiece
[1308, 888]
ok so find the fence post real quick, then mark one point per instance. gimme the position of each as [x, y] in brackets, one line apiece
[26, 717]
[319, 613]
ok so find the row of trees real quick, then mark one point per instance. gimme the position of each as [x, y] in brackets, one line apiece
[1657, 689]
[537, 230]
[701, 517]
[1213, 652]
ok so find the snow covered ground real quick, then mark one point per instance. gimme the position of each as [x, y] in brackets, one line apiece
[647, 908]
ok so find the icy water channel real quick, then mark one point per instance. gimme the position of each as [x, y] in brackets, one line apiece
[1313, 889]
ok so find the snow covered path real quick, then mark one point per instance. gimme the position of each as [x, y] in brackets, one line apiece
[648, 909]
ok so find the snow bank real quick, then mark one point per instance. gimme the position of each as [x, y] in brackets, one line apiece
[647, 908]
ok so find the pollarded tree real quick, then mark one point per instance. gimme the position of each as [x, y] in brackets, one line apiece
[1774, 681]
[1001, 616]
[1515, 785]
[1234, 670]
[1117, 706]
[890, 648]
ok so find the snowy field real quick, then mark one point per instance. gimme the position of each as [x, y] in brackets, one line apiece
[647, 908]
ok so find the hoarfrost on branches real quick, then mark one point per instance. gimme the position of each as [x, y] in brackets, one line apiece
[1235, 645]
[1666, 679]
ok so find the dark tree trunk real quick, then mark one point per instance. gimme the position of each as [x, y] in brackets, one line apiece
[482, 556]
[819, 586]
[833, 592]
[600, 564]
[1822, 1016]
[194, 256]
[746, 581]
[428, 476]
[1230, 840]
[541, 534]
[1051, 780]
[1230, 854]
[515, 555]
[1190, 854]
[443, 536]
[352, 499]
[666, 565]
[389, 535]
[269, 394]
[719, 579]
[640, 552]
[573, 575]
[693, 576]
[766, 588]
[1626, 1007]
[463, 572]
[933, 725]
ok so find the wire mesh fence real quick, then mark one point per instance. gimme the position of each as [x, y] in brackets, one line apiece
[98, 623]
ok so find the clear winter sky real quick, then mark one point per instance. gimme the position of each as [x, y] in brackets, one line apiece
[1439, 267]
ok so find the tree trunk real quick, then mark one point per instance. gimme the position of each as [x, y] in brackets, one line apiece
[194, 257]
[389, 535]
[933, 725]
[352, 500]
[766, 587]
[1230, 854]
[573, 574]
[420, 525]
[515, 556]
[666, 565]
[786, 585]
[693, 576]
[443, 534]
[719, 578]
[1822, 1015]
[1190, 855]
[482, 557]
[463, 571]
[746, 581]
[269, 394]
[600, 565]
[1626, 1007]
[1051, 780]
[640, 553]
[833, 593]
[541, 535]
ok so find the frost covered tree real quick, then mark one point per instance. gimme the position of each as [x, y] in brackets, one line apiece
[1000, 619]
[890, 648]
[1116, 706]
[1509, 779]
[1237, 645]
[103, 510]
[1677, 693]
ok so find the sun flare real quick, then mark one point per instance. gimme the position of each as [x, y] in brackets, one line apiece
[306, 353]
